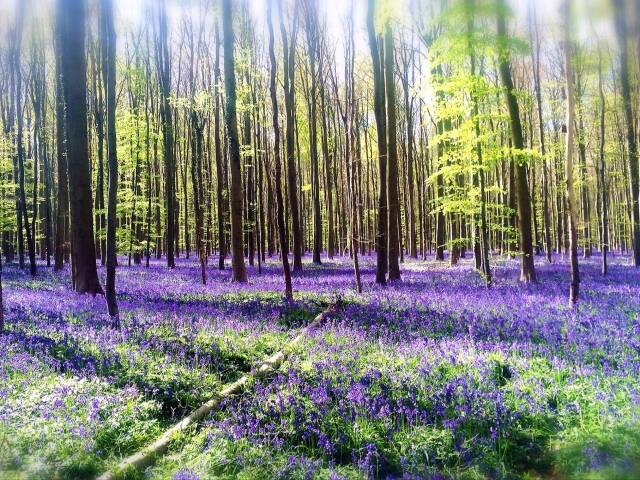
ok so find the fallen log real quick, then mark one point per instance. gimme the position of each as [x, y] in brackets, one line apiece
[148, 455]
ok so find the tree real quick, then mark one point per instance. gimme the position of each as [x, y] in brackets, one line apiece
[20, 153]
[393, 206]
[71, 20]
[569, 152]
[61, 248]
[535, 55]
[38, 94]
[313, 47]
[483, 249]
[164, 76]
[527, 270]
[350, 113]
[632, 145]
[282, 234]
[407, 54]
[108, 39]
[197, 141]
[602, 184]
[220, 203]
[379, 111]
[289, 53]
[237, 250]
[326, 159]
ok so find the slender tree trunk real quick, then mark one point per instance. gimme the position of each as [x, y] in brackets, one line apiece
[411, 221]
[220, 203]
[545, 181]
[327, 167]
[527, 272]
[148, 157]
[248, 162]
[282, 234]
[196, 175]
[108, 37]
[379, 111]
[392, 159]
[61, 249]
[625, 86]
[164, 75]
[604, 227]
[350, 130]
[313, 47]
[289, 52]
[237, 250]
[440, 219]
[569, 152]
[483, 249]
[98, 107]
[582, 166]
[17, 45]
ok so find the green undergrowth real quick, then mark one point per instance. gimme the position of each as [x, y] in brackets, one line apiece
[71, 407]
[560, 424]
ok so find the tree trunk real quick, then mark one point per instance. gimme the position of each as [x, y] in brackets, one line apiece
[61, 248]
[196, 175]
[108, 38]
[625, 80]
[392, 159]
[602, 184]
[220, 203]
[327, 167]
[527, 272]
[569, 151]
[71, 13]
[282, 234]
[289, 52]
[164, 74]
[20, 154]
[545, 181]
[483, 249]
[379, 111]
[237, 250]
[313, 47]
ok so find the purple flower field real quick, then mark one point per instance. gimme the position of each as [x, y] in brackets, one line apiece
[434, 377]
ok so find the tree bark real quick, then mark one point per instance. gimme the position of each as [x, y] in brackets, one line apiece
[545, 180]
[527, 271]
[61, 248]
[108, 38]
[379, 111]
[569, 152]
[71, 13]
[625, 87]
[313, 47]
[602, 184]
[164, 75]
[20, 154]
[220, 203]
[392, 159]
[282, 234]
[289, 52]
[237, 250]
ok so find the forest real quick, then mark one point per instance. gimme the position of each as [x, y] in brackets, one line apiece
[320, 239]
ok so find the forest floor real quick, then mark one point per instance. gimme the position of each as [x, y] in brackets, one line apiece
[434, 377]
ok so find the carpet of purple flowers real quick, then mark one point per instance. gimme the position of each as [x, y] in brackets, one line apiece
[435, 377]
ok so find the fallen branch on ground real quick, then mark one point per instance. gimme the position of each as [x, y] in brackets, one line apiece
[148, 455]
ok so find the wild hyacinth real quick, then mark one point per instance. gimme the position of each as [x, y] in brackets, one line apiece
[433, 376]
